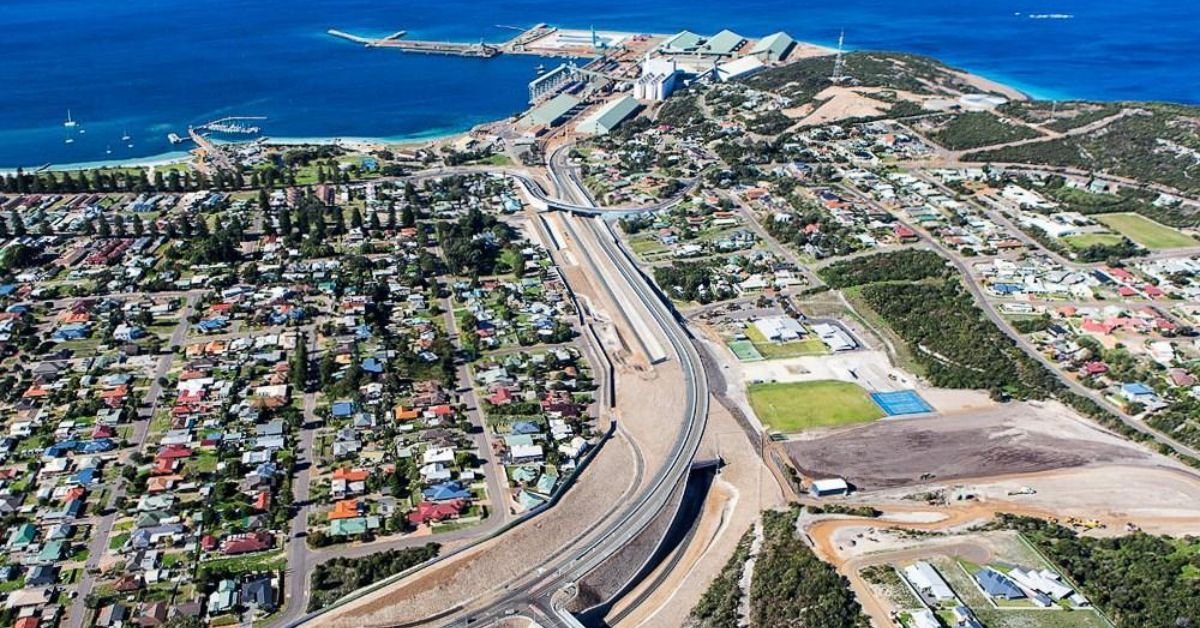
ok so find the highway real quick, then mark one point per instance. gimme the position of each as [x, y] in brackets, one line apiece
[537, 594]
[584, 207]
[534, 593]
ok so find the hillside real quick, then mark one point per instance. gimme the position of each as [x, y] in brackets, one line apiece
[1157, 143]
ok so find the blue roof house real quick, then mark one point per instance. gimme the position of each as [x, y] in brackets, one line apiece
[86, 477]
[373, 366]
[71, 332]
[96, 446]
[1137, 392]
[997, 584]
[526, 427]
[446, 491]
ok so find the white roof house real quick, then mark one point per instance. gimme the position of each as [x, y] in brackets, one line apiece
[925, 618]
[928, 581]
[779, 328]
[435, 455]
[525, 452]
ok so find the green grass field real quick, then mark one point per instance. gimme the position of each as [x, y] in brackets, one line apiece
[745, 351]
[1146, 232]
[799, 406]
[778, 350]
[1091, 239]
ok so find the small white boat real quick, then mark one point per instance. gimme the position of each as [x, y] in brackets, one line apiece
[69, 140]
[70, 123]
[125, 135]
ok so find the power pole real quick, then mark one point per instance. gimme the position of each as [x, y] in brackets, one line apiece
[839, 62]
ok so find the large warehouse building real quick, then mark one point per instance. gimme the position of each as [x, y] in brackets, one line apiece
[552, 112]
[773, 48]
[609, 116]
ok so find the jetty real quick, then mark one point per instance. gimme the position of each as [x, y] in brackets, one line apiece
[396, 41]
[529, 41]
[209, 152]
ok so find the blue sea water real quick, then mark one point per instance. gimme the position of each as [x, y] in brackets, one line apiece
[150, 67]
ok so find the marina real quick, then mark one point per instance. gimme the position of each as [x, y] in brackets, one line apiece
[233, 125]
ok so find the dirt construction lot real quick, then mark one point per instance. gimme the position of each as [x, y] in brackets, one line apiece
[1008, 439]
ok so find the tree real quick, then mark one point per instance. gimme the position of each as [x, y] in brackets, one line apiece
[299, 366]
[16, 222]
[285, 222]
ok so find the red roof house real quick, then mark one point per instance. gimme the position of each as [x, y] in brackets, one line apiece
[430, 511]
[246, 543]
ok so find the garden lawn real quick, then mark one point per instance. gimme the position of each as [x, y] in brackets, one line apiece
[1091, 239]
[799, 406]
[1146, 232]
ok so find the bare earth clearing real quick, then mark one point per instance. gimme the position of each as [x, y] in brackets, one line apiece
[1013, 438]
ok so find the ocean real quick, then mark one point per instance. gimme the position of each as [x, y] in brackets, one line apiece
[145, 68]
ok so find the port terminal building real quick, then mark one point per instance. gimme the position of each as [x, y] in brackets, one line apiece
[609, 116]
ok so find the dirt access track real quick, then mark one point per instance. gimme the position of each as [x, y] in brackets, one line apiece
[1007, 439]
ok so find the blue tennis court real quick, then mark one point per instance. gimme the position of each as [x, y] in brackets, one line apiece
[901, 402]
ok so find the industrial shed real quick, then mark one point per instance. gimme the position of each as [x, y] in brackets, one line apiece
[609, 116]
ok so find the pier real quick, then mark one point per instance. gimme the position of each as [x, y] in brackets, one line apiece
[397, 41]
[209, 152]
[529, 41]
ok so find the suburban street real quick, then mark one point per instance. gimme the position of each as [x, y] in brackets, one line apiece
[989, 310]
[102, 528]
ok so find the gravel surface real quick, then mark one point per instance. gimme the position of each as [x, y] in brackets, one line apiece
[1013, 438]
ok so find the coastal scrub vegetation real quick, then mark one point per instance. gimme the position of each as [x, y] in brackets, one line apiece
[976, 129]
[337, 577]
[789, 586]
[682, 112]
[718, 607]
[907, 265]
[1179, 420]
[958, 347]
[792, 587]
[802, 80]
[1061, 116]
[1155, 142]
[1138, 580]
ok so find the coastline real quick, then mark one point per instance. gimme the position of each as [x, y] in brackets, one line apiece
[804, 49]
[177, 157]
